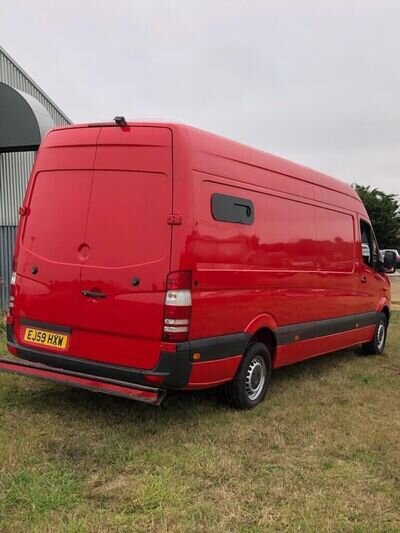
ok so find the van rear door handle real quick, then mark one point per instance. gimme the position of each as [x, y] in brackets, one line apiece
[364, 279]
[94, 294]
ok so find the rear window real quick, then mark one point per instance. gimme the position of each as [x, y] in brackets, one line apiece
[232, 209]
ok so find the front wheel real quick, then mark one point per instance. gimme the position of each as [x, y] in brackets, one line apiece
[252, 381]
[377, 344]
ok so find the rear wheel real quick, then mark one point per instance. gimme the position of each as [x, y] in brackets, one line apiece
[252, 381]
[377, 344]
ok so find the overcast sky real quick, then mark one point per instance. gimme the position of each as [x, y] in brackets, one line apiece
[317, 82]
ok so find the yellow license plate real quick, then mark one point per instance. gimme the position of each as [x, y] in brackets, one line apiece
[46, 338]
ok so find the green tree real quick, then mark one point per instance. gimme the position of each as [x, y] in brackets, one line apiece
[384, 211]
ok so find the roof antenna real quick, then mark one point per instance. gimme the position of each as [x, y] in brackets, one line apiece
[120, 121]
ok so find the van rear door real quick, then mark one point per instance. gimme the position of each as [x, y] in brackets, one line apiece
[52, 230]
[126, 248]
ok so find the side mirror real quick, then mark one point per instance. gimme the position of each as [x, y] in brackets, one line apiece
[389, 262]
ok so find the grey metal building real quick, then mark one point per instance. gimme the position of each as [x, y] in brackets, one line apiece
[16, 166]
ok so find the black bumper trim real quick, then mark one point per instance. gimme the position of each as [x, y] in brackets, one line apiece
[212, 348]
[321, 328]
[174, 367]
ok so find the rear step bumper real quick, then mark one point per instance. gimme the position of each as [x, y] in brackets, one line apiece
[174, 368]
[115, 387]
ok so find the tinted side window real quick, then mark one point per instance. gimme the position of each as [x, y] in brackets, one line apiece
[368, 245]
[232, 209]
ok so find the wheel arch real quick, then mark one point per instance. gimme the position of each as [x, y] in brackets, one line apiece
[267, 337]
[383, 307]
[263, 329]
[386, 312]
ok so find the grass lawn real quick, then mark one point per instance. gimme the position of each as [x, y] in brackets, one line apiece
[321, 454]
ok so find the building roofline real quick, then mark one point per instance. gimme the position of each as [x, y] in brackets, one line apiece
[23, 71]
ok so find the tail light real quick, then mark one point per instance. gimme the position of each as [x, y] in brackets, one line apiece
[178, 306]
[12, 293]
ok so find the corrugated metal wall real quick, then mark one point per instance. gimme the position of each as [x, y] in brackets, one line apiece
[15, 168]
[14, 172]
[7, 238]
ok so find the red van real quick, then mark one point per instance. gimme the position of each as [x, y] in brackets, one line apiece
[155, 256]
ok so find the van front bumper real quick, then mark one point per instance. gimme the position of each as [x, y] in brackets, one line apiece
[173, 370]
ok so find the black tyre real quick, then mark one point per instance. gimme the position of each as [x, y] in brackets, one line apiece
[377, 344]
[252, 381]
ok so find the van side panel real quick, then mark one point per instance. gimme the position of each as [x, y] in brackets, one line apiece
[336, 263]
[298, 351]
[216, 155]
[297, 263]
[246, 270]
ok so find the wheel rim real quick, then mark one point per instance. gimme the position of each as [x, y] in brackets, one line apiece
[380, 335]
[255, 377]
